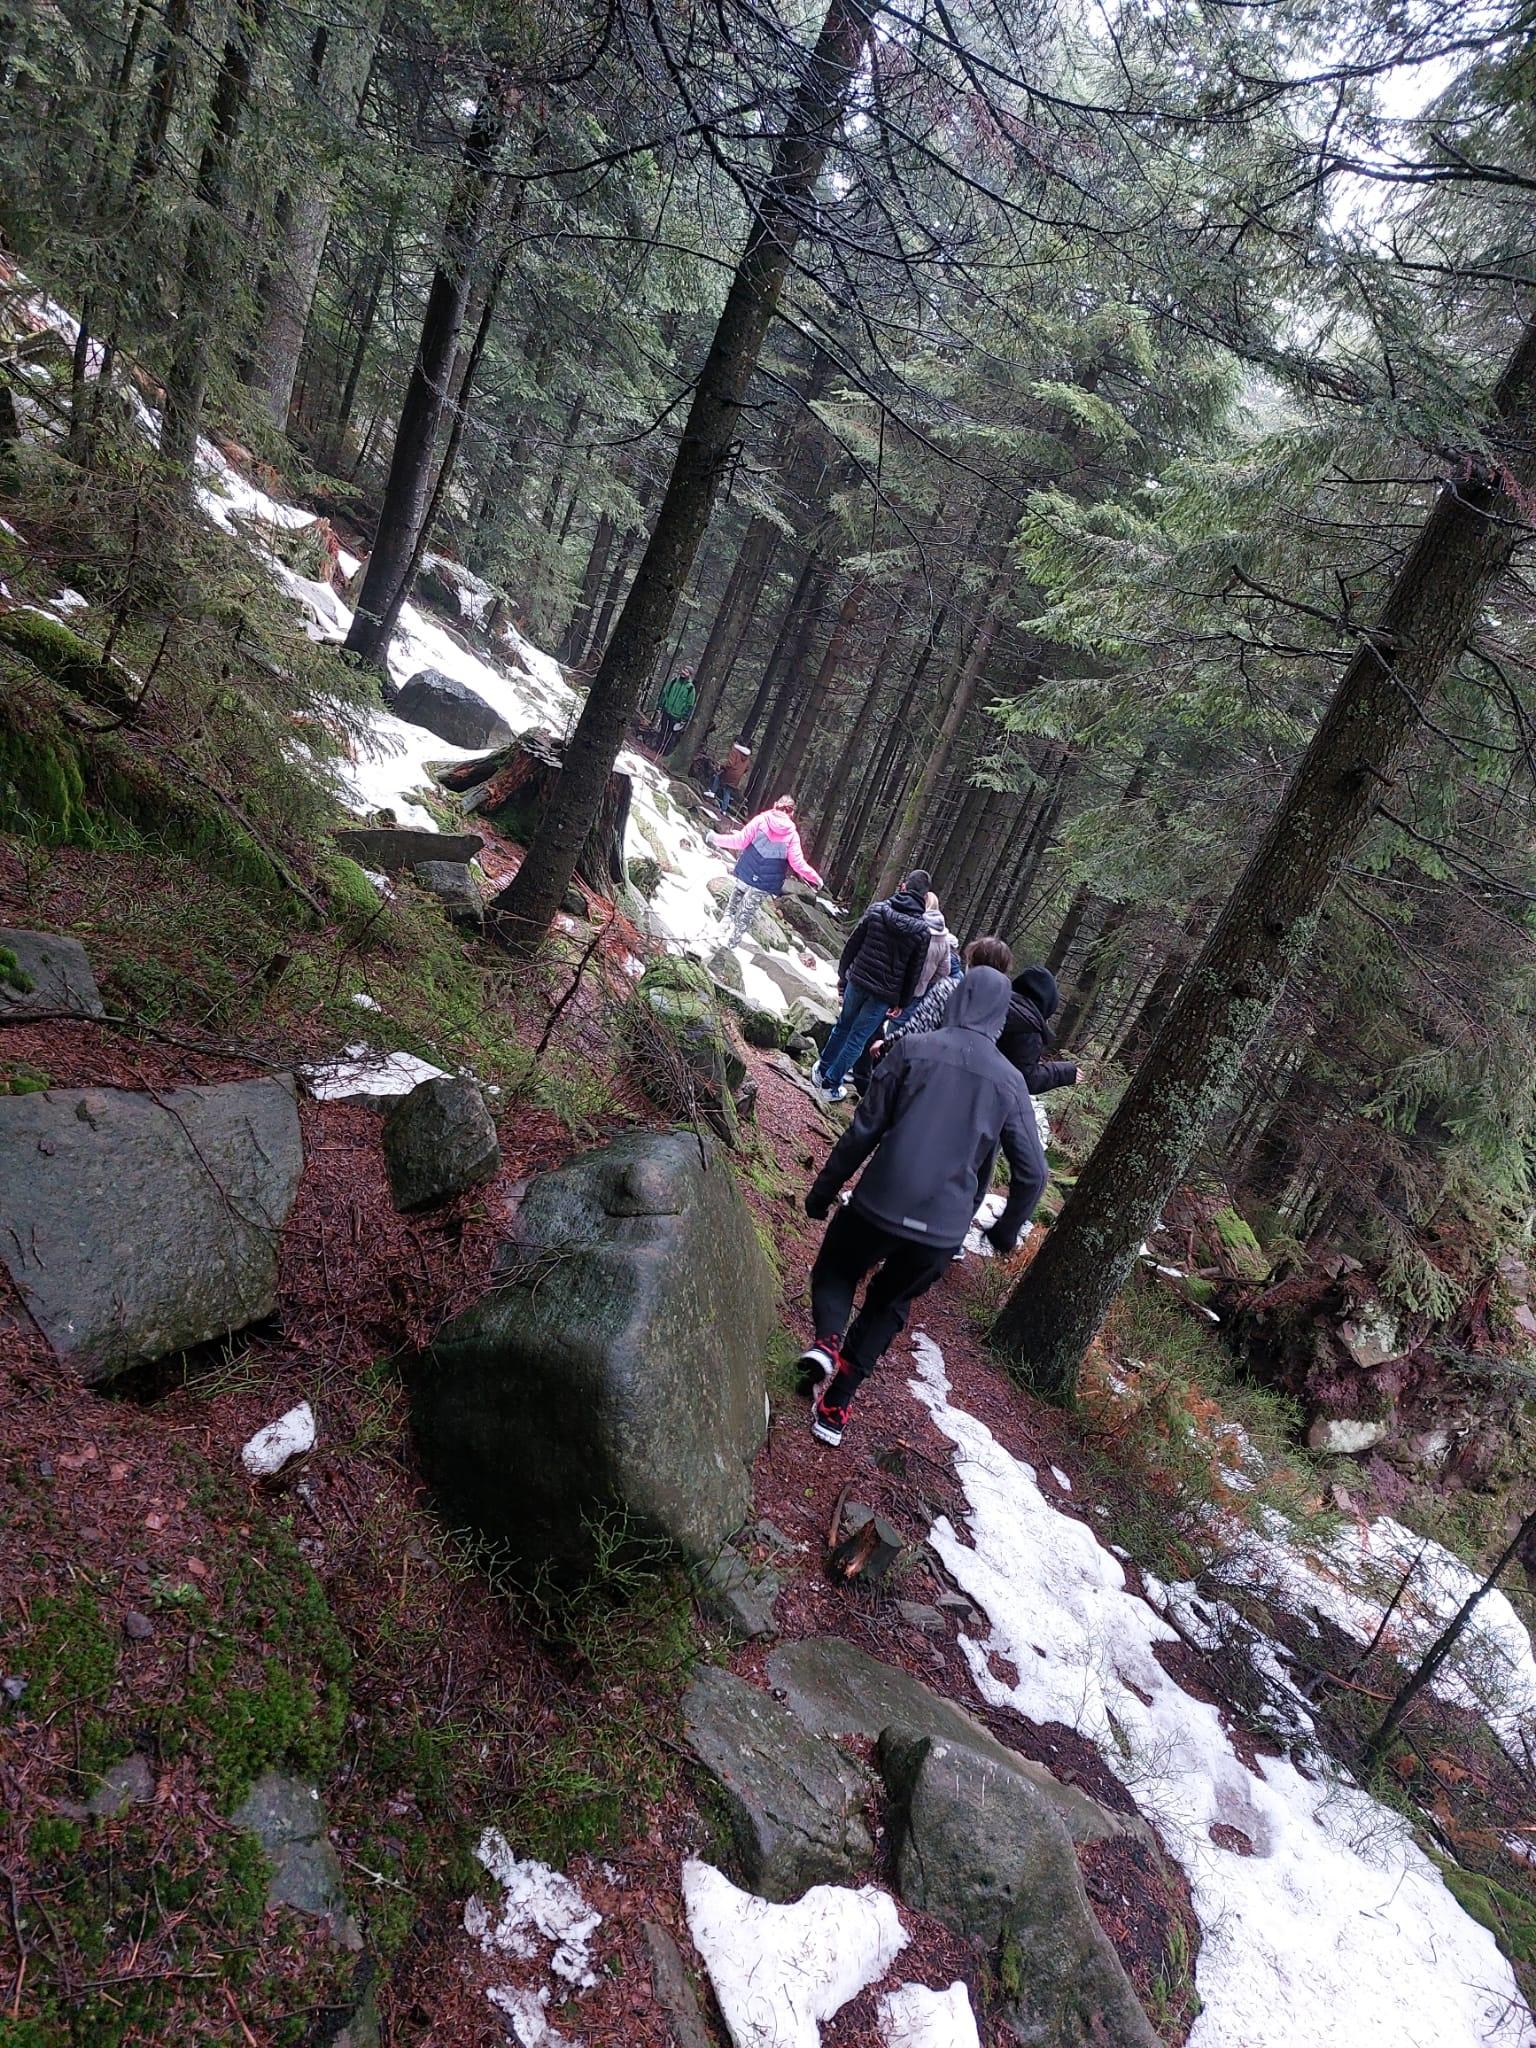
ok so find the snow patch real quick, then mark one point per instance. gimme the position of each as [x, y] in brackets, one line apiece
[1336, 1927]
[527, 2012]
[915, 2017]
[539, 1908]
[778, 1971]
[362, 1073]
[290, 1436]
[364, 1001]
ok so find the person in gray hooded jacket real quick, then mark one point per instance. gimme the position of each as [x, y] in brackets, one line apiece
[929, 1129]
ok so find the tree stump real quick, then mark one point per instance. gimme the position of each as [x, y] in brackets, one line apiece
[511, 790]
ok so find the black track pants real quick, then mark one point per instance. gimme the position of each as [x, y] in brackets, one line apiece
[852, 1247]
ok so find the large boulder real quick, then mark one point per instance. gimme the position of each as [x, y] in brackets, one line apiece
[794, 1801]
[835, 1688]
[42, 971]
[439, 1141]
[451, 709]
[680, 1049]
[979, 1848]
[139, 1225]
[392, 847]
[617, 1369]
[453, 883]
[795, 983]
[805, 916]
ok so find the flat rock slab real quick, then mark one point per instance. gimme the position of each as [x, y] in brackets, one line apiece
[46, 972]
[392, 847]
[137, 1225]
[981, 1849]
[616, 1370]
[740, 1594]
[795, 1801]
[288, 1818]
[838, 1689]
[439, 1141]
[125, 1784]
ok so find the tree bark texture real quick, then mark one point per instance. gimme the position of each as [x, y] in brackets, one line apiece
[1267, 924]
[703, 455]
[405, 489]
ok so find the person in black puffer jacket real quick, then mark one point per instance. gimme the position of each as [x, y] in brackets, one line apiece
[879, 973]
[1027, 1035]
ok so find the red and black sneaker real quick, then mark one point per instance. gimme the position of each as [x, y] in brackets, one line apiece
[818, 1362]
[828, 1422]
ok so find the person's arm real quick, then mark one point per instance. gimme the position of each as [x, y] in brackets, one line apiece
[917, 960]
[929, 1013]
[1045, 1075]
[798, 861]
[853, 949]
[1027, 1174]
[876, 1111]
[735, 842]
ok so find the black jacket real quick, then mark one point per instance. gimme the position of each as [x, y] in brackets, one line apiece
[930, 1124]
[887, 949]
[1026, 1037]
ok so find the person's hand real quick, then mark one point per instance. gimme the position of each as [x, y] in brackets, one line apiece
[892, 1015]
[1001, 1242]
[878, 1049]
[817, 1205]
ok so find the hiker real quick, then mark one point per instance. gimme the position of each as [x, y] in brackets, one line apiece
[730, 775]
[942, 962]
[675, 709]
[768, 847]
[1027, 1035]
[877, 977]
[938, 1108]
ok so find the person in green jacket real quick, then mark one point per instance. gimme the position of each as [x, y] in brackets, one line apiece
[675, 709]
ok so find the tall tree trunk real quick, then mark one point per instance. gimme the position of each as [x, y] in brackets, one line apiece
[913, 821]
[405, 489]
[1267, 925]
[816, 697]
[591, 583]
[169, 69]
[728, 632]
[703, 454]
[205, 272]
[793, 680]
[883, 760]
[341, 57]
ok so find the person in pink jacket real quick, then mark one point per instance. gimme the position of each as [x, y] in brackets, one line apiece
[768, 847]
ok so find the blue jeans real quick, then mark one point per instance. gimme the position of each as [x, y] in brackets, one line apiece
[856, 1026]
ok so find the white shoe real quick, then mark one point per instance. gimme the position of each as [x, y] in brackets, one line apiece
[816, 1076]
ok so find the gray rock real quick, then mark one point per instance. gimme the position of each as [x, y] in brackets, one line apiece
[453, 883]
[129, 1783]
[741, 1595]
[46, 972]
[812, 1020]
[795, 1801]
[573, 903]
[138, 1628]
[139, 1225]
[725, 968]
[392, 847]
[918, 1614]
[836, 1689]
[979, 1848]
[795, 984]
[801, 1046]
[452, 710]
[288, 1818]
[806, 918]
[619, 1365]
[438, 1141]
[673, 1988]
[680, 1051]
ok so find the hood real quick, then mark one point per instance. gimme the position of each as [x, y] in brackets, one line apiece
[777, 826]
[908, 905]
[980, 1003]
[1039, 985]
[934, 919]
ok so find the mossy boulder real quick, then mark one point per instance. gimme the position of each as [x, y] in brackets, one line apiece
[645, 875]
[762, 1029]
[46, 971]
[58, 652]
[1241, 1251]
[615, 1376]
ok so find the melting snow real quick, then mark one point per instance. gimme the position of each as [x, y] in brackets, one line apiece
[270, 1449]
[778, 1971]
[915, 2017]
[1336, 1928]
[539, 1908]
[528, 2015]
[362, 1073]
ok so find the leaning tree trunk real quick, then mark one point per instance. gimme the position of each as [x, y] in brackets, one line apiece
[341, 56]
[204, 274]
[405, 490]
[702, 457]
[1267, 925]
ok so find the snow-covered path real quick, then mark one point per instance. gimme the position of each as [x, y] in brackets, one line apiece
[1323, 1923]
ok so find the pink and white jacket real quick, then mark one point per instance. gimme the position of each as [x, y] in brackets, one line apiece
[769, 846]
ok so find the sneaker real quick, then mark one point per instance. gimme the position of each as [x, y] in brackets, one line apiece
[837, 1094]
[827, 1423]
[817, 1363]
[816, 1075]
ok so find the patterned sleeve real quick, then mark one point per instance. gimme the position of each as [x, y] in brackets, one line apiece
[929, 1013]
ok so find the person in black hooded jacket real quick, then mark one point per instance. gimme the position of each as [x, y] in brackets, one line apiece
[1027, 1035]
[878, 974]
[927, 1136]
